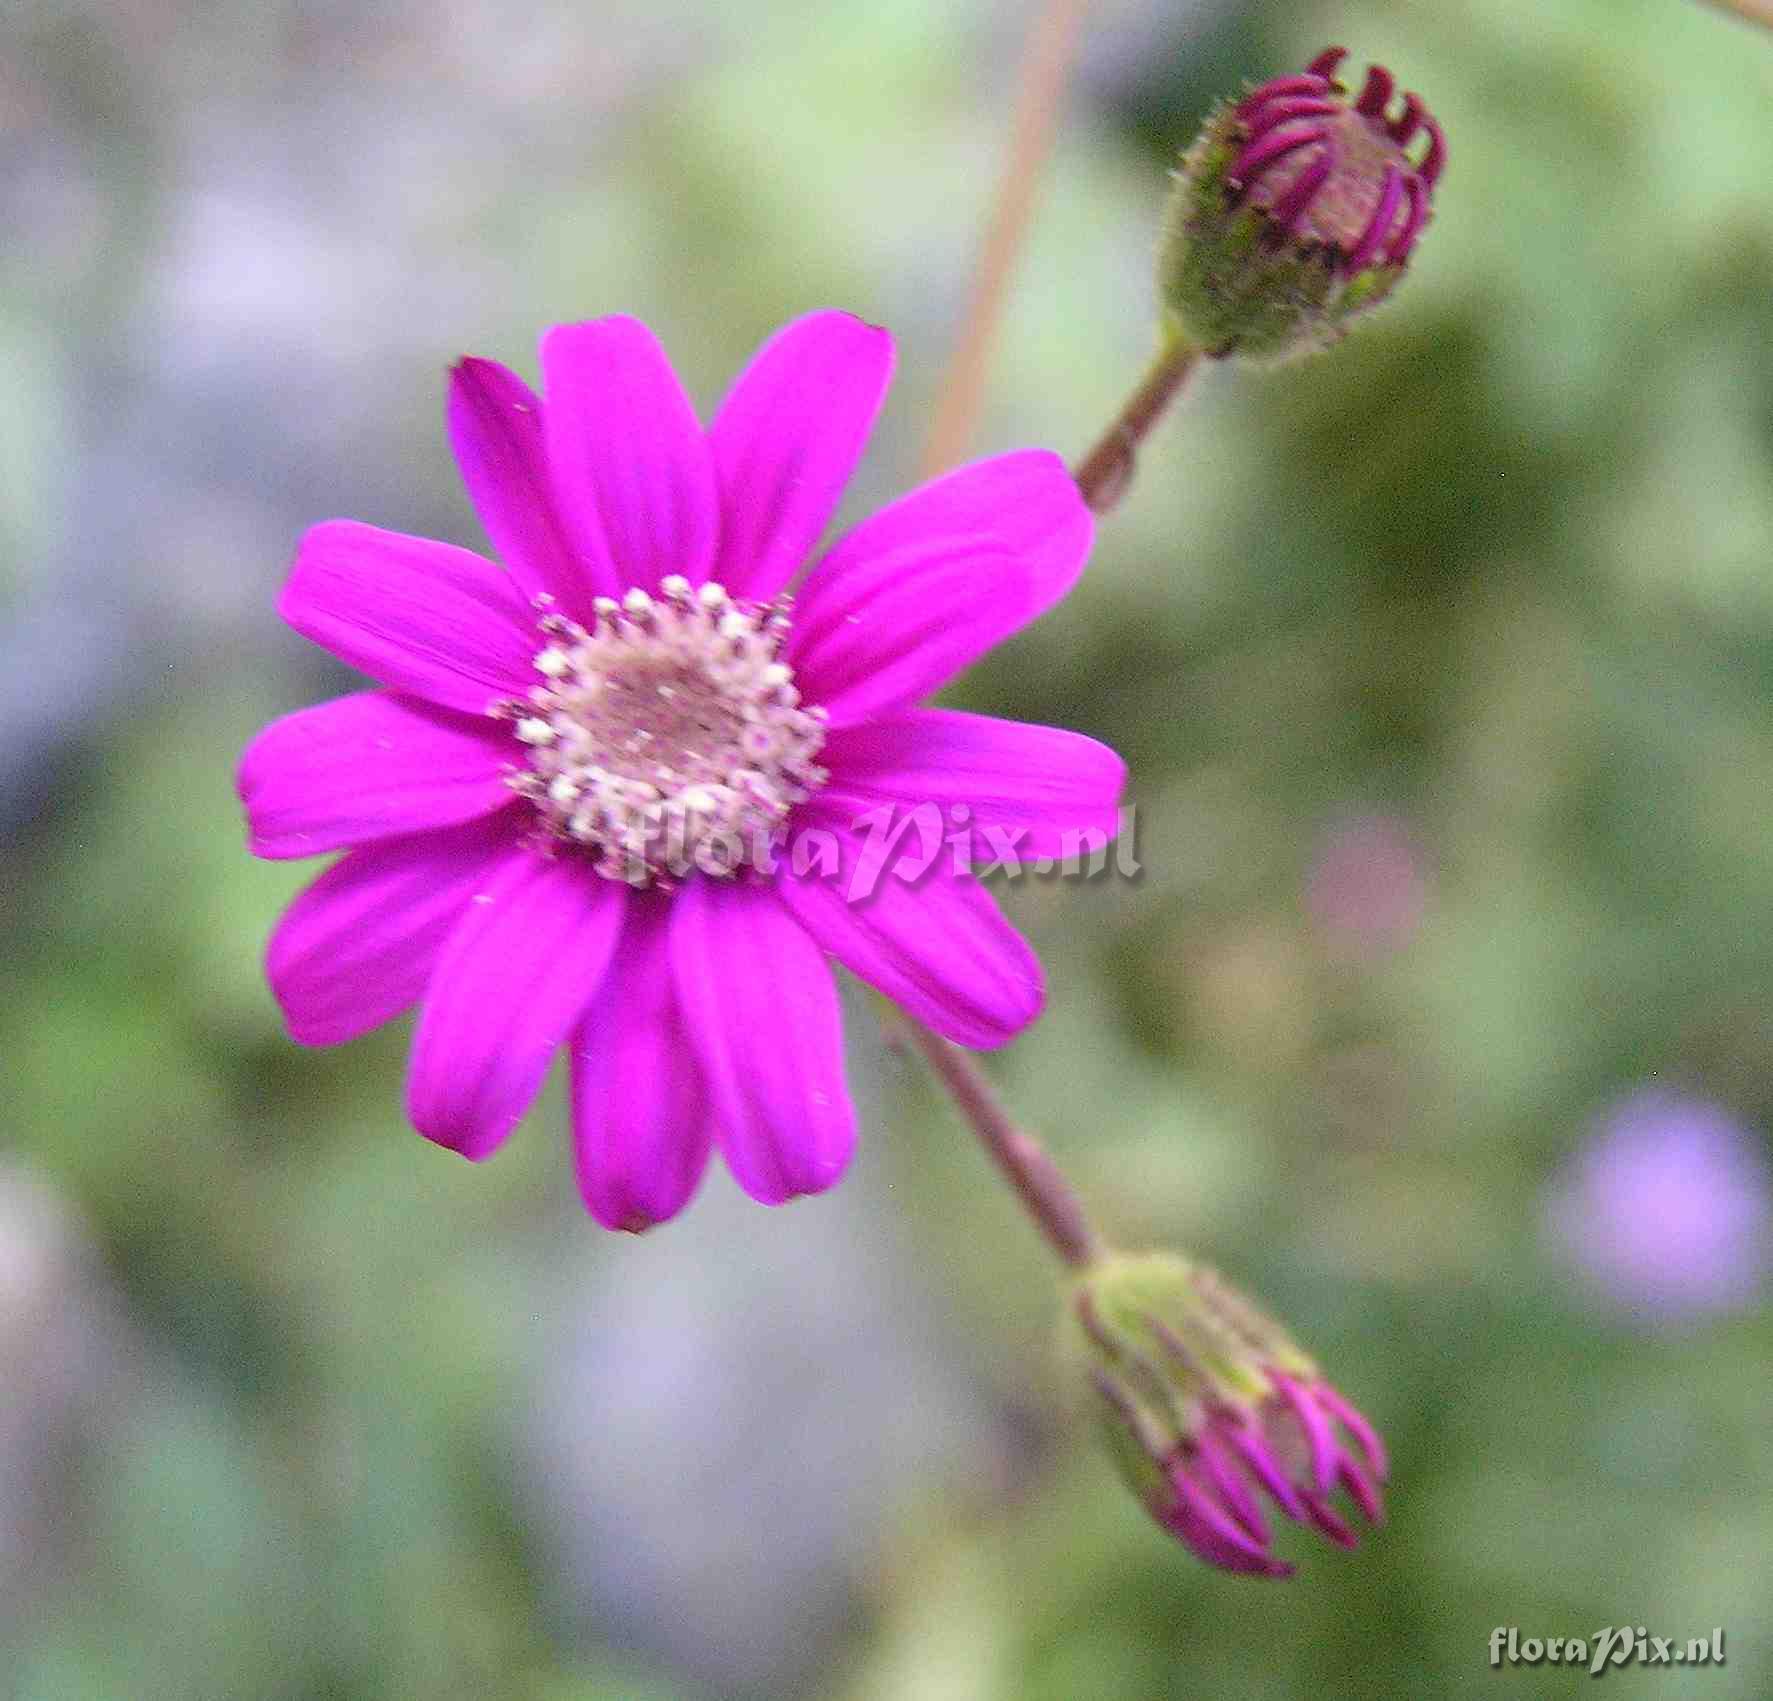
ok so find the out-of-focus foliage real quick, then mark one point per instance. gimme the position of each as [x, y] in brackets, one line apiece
[295, 1405]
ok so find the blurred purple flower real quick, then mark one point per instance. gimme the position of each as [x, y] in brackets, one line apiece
[1666, 1211]
[1366, 887]
[637, 677]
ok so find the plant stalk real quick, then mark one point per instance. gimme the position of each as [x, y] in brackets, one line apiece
[1104, 474]
[1043, 1191]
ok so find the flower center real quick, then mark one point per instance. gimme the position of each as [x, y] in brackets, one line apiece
[668, 737]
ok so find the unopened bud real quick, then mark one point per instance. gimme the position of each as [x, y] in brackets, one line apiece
[1210, 1410]
[1295, 210]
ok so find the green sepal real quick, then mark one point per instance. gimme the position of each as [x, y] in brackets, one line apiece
[1229, 284]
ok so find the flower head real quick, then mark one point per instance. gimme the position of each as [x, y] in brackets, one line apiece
[1208, 1407]
[1297, 209]
[1666, 1212]
[613, 794]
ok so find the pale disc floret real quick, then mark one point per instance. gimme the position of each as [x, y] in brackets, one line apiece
[669, 737]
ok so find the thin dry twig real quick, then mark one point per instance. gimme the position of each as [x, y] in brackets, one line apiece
[1755, 11]
[1046, 69]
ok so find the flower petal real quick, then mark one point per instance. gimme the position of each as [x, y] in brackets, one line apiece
[495, 427]
[1326, 1518]
[1320, 1434]
[1215, 1536]
[423, 617]
[512, 979]
[631, 470]
[1360, 1490]
[786, 440]
[1229, 1486]
[1355, 1422]
[932, 940]
[1025, 500]
[1252, 1446]
[1030, 791]
[367, 767]
[357, 946]
[641, 1127]
[763, 1015]
[884, 631]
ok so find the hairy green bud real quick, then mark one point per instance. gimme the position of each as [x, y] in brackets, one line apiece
[1296, 210]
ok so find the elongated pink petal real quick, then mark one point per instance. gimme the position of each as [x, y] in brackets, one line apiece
[1251, 1445]
[631, 469]
[1025, 500]
[1309, 83]
[423, 617]
[1025, 791]
[1320, 1437]
[1215, 1536]
[1228, 1483]
[1360, 1490]
[357, 946]
[1391, 197]
[495, 428]
[786, 440]
[1326, 1518]
[641, 1124]
[883, 633]
[763, 1016]
[1356, 1423]
[516, 973]
[935, 943]
[364, 767]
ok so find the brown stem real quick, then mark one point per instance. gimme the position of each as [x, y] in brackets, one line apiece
[1755, 11]
[1044, 1192]
[1105, 472]
[1046, 67]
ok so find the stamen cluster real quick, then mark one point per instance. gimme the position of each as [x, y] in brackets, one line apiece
[668, 737]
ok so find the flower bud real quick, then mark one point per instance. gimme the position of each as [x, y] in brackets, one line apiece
[1295, 210]
[1208, 1409]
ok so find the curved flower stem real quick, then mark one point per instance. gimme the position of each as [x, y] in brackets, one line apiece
[1104, 474]
[1046, 67]
[1755, 11]
[1045, 1193]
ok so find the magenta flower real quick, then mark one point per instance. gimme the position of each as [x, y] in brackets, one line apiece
[1337, 174]
[556, 808]
[1210, 1411]
[1297, 210]
[1294, 1446]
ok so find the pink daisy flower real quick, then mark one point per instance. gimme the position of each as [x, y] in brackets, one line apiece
[541, 805]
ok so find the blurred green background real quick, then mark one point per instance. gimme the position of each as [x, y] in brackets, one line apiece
[1444, 665]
